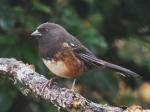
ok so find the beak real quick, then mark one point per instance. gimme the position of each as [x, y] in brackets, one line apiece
[36, 33]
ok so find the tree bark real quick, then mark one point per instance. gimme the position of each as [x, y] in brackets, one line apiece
[61, 97]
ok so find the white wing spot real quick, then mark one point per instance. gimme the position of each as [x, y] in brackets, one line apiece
[72, 44]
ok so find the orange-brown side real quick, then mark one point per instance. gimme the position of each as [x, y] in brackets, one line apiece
[74, 66]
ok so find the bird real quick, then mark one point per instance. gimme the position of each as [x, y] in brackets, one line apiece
[65, 56]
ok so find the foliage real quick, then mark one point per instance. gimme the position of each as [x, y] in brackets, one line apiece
[115, 30]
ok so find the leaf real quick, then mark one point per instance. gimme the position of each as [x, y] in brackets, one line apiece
[6, 97]
[7, 19]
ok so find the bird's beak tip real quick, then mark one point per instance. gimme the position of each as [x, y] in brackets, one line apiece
[35, 33]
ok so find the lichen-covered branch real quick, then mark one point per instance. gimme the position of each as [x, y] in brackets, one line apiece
[62, 97]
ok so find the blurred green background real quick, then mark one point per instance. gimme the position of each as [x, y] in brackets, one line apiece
[117, 31]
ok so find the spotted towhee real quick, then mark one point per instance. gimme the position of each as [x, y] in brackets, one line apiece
[65, 55]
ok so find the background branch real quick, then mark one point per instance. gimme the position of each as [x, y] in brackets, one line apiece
[61, 97]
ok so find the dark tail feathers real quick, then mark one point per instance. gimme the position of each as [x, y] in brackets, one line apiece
[121, 69]
[99, 63]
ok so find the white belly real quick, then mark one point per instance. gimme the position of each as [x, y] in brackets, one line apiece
[59, 68]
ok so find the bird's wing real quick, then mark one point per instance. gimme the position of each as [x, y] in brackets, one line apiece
[89, 58]
[92, 61]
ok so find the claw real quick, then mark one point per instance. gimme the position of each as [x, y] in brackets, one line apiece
[51, 82]
[73, 84]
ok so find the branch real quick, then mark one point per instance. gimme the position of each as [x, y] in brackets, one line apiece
[62, 97]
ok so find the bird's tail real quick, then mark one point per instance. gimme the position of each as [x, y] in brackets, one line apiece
[100, 63]
[121, 69]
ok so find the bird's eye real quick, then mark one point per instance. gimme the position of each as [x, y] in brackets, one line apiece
[43, 30]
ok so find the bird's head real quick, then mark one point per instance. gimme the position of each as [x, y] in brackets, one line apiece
[46, 30]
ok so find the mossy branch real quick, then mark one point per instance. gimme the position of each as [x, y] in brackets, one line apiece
[62, 97]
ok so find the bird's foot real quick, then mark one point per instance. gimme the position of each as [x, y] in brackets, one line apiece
[73, 84]
[51, 82]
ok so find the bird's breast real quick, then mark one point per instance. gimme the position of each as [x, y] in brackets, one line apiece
[65, 64]
[57, 67]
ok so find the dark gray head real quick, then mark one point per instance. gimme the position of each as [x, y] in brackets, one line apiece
[50, 37]
[47, 30]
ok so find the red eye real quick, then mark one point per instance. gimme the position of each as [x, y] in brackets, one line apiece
[46, 29]
[43, 30]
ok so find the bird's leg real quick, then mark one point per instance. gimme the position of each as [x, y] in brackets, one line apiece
[73, 84]
[51, 81]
